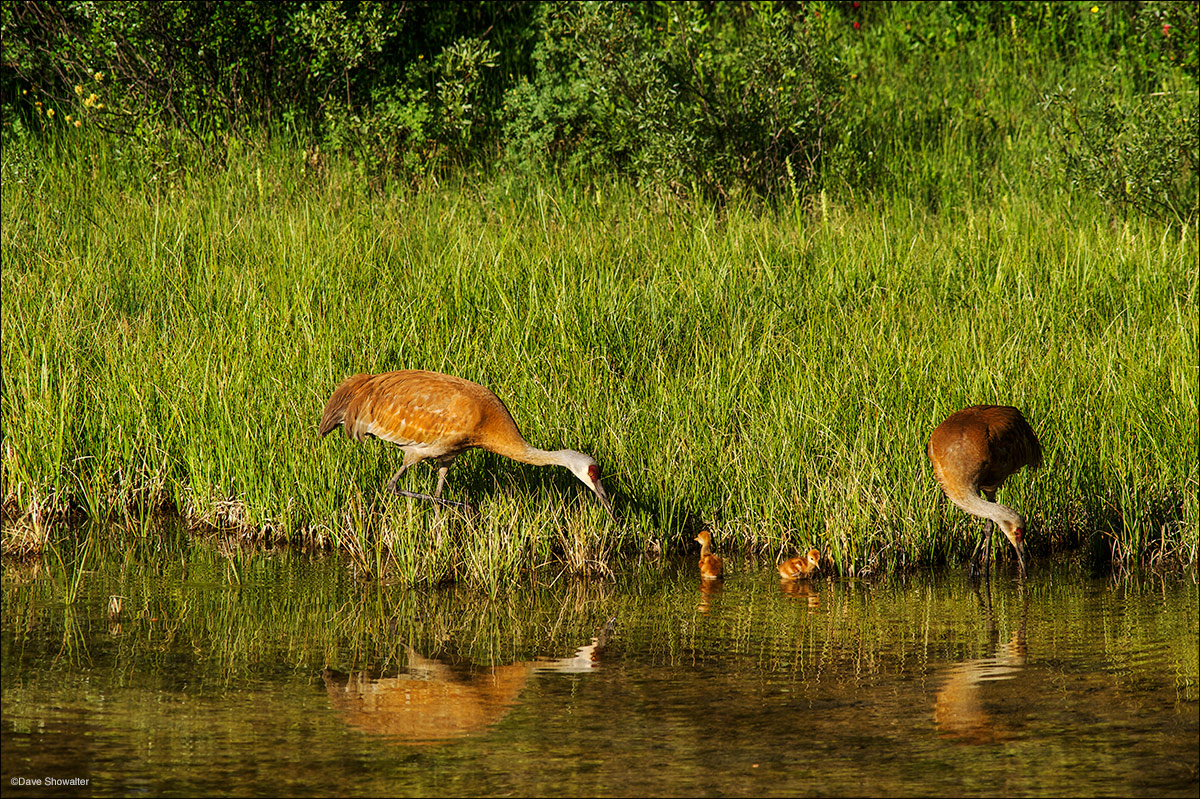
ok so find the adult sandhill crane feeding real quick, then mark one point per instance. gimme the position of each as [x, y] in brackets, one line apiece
[973, 451]
[437, 416]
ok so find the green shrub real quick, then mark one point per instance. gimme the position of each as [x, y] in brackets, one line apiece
[719, 99]
[937, 102]
[1141, 154]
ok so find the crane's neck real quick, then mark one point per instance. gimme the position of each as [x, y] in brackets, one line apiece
[539, 457]
[580, 464]
[1005, 517]
[577, 463]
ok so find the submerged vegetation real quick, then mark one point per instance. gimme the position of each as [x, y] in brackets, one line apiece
[762, 355]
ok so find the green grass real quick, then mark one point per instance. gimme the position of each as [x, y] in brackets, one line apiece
[772, 375]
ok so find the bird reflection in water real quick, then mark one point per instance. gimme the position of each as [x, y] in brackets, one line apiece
[432, 701]
[709, 590]
[959, 709]
[801, 589]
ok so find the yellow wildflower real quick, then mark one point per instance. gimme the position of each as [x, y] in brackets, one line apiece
[79, 90]
[78, 123]
[1095, 9]
[50, 112]
[99, 77]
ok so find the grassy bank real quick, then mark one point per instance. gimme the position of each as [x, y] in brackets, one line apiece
[774, 375]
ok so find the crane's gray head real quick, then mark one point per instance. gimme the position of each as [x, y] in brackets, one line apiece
[1013, 527]
[584, 467]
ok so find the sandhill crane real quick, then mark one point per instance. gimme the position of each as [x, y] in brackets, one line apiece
[437, 416]
[973, 451]
[801, 566]
[711, 565]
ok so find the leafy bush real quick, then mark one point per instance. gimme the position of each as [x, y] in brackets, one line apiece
[935, 101]
[682, 95]
[204, 68]
[416, 125]
[1141, 155]
[386, 82]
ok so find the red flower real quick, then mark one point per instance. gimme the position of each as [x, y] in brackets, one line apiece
[855, 26]
[1166, 29]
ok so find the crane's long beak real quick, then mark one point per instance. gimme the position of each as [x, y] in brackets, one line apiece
[598, 488]
[1017, 540]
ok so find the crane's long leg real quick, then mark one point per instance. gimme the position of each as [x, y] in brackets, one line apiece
[442, 469]
[988, 530]
[989, 527]
[985, 542]
[985, 547]
[437, 494]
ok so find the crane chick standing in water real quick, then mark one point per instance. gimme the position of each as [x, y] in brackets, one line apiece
[711, 565]
[973, 451]
[432, 415]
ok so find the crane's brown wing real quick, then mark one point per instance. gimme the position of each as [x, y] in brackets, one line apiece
[432, 413]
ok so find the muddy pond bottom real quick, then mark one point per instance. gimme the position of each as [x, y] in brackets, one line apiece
[194, 671]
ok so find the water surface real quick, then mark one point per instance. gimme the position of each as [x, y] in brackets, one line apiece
[192, 667]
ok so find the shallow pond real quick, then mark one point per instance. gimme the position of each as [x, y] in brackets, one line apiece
[191, 667]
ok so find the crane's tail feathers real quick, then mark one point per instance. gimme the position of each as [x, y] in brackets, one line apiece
[1030, 443]
[328, 422]
[1036, 460]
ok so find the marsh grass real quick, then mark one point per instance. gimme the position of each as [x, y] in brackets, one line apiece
[71, 563]
[169, 345]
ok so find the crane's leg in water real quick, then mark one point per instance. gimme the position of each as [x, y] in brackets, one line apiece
[984, 547]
